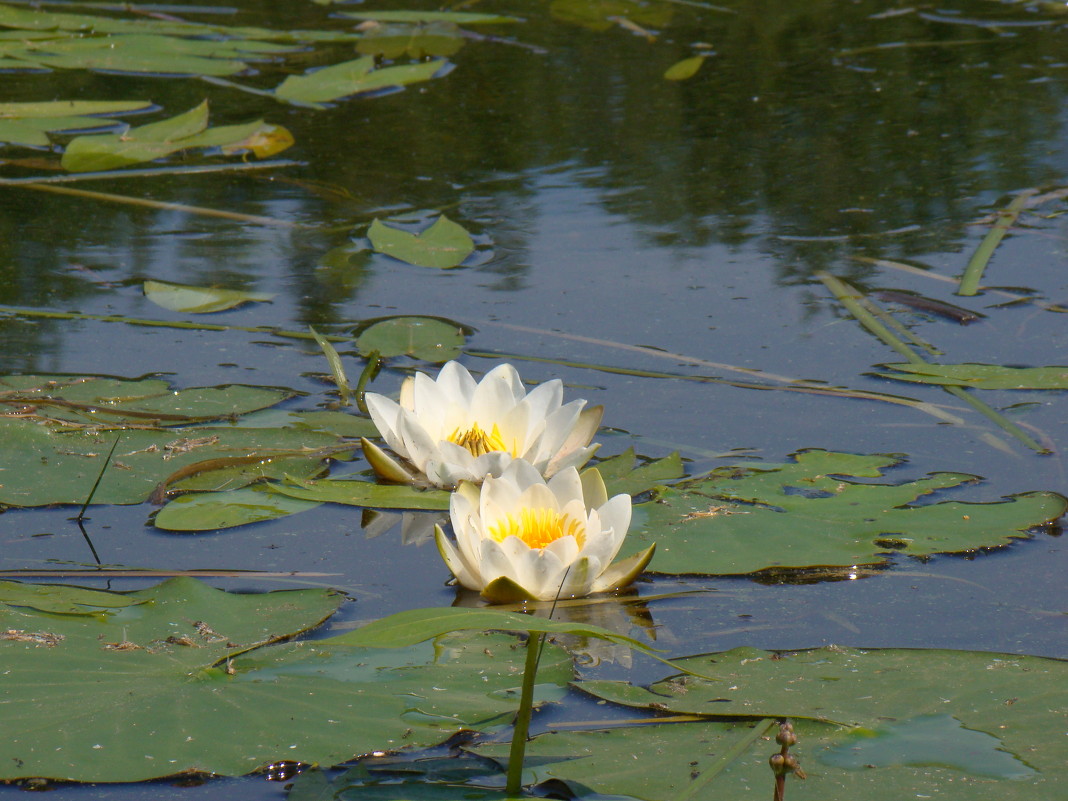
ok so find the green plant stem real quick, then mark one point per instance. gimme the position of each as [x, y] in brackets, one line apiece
[973, 273]
[89, 194]
[514, 782]
[150, 172]
[114, 318]
[726, 759]
[850, 298]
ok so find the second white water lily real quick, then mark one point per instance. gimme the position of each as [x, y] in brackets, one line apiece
[453, 429]
[520, 537]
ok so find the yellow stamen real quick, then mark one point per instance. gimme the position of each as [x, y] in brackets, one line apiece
[479, 442]
[539, 527]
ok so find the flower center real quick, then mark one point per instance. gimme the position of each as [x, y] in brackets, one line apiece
[478, 441]
[538, 527]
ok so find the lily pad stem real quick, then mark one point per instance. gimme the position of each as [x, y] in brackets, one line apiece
[520, 731]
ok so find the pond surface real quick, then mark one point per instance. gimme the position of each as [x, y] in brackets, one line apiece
[633, 233]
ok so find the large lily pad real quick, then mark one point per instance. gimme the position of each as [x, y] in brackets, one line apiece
[58, 445]
[998, 719]
[169, 686]
[813, 512]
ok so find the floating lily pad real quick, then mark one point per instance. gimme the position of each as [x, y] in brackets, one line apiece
[354, 492]
[432, 339]
[444, 244]
[159, 139]
[415, 41]
[62, 599]
[197, 299]
[980, 376]
[457, 17]
[621, 475]
[30, 123]
[215, 510]
[352, 78]
[55, 451]
[811, 512]
[999, 716]
[175, 685]
[687, 68]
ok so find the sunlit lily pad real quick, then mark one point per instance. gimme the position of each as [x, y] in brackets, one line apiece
[1015, 703]
[164, 137]
[353, 492]
[980, 376]
[214, 510]
[812, 512]
[431, 339]
[30, 123]
[444, 244]
[352, 78]
[197, 299]
[174, 686]
[621, 475]
[59, 445]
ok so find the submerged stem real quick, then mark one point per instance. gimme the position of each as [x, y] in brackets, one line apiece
[973, 273]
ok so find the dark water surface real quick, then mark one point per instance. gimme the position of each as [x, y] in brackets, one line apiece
[615, 209]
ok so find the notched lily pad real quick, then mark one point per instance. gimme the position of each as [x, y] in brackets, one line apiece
[443, 245]
[200, 683]
[59, 431]
[997, 721]
[432, 339]
[812, 512]
[199, 299]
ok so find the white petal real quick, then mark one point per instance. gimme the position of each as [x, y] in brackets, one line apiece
[456, 382]
[568, 487]
[509, 376]
[384, 413]
[544, 399]
[465, 572]
[593, 489]
[579, 578]
[573, 452]
[493, 399]
[416, 445]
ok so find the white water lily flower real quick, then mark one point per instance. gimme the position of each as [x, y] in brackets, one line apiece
[453, 429]
[522, 538]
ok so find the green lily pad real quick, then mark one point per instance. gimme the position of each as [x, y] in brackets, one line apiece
[415, 41]
[199, 300]
[164, 137]
[189, 683]
[354, 492]
[432, 339]
[979, 376]
[457, 17]
[352, 78]
[30, 123]
[998, 717]
[621, 476]
[61, 599]
[811, 512]
[215, 510]
[687, 68]
[59, 445]
[443, 245]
